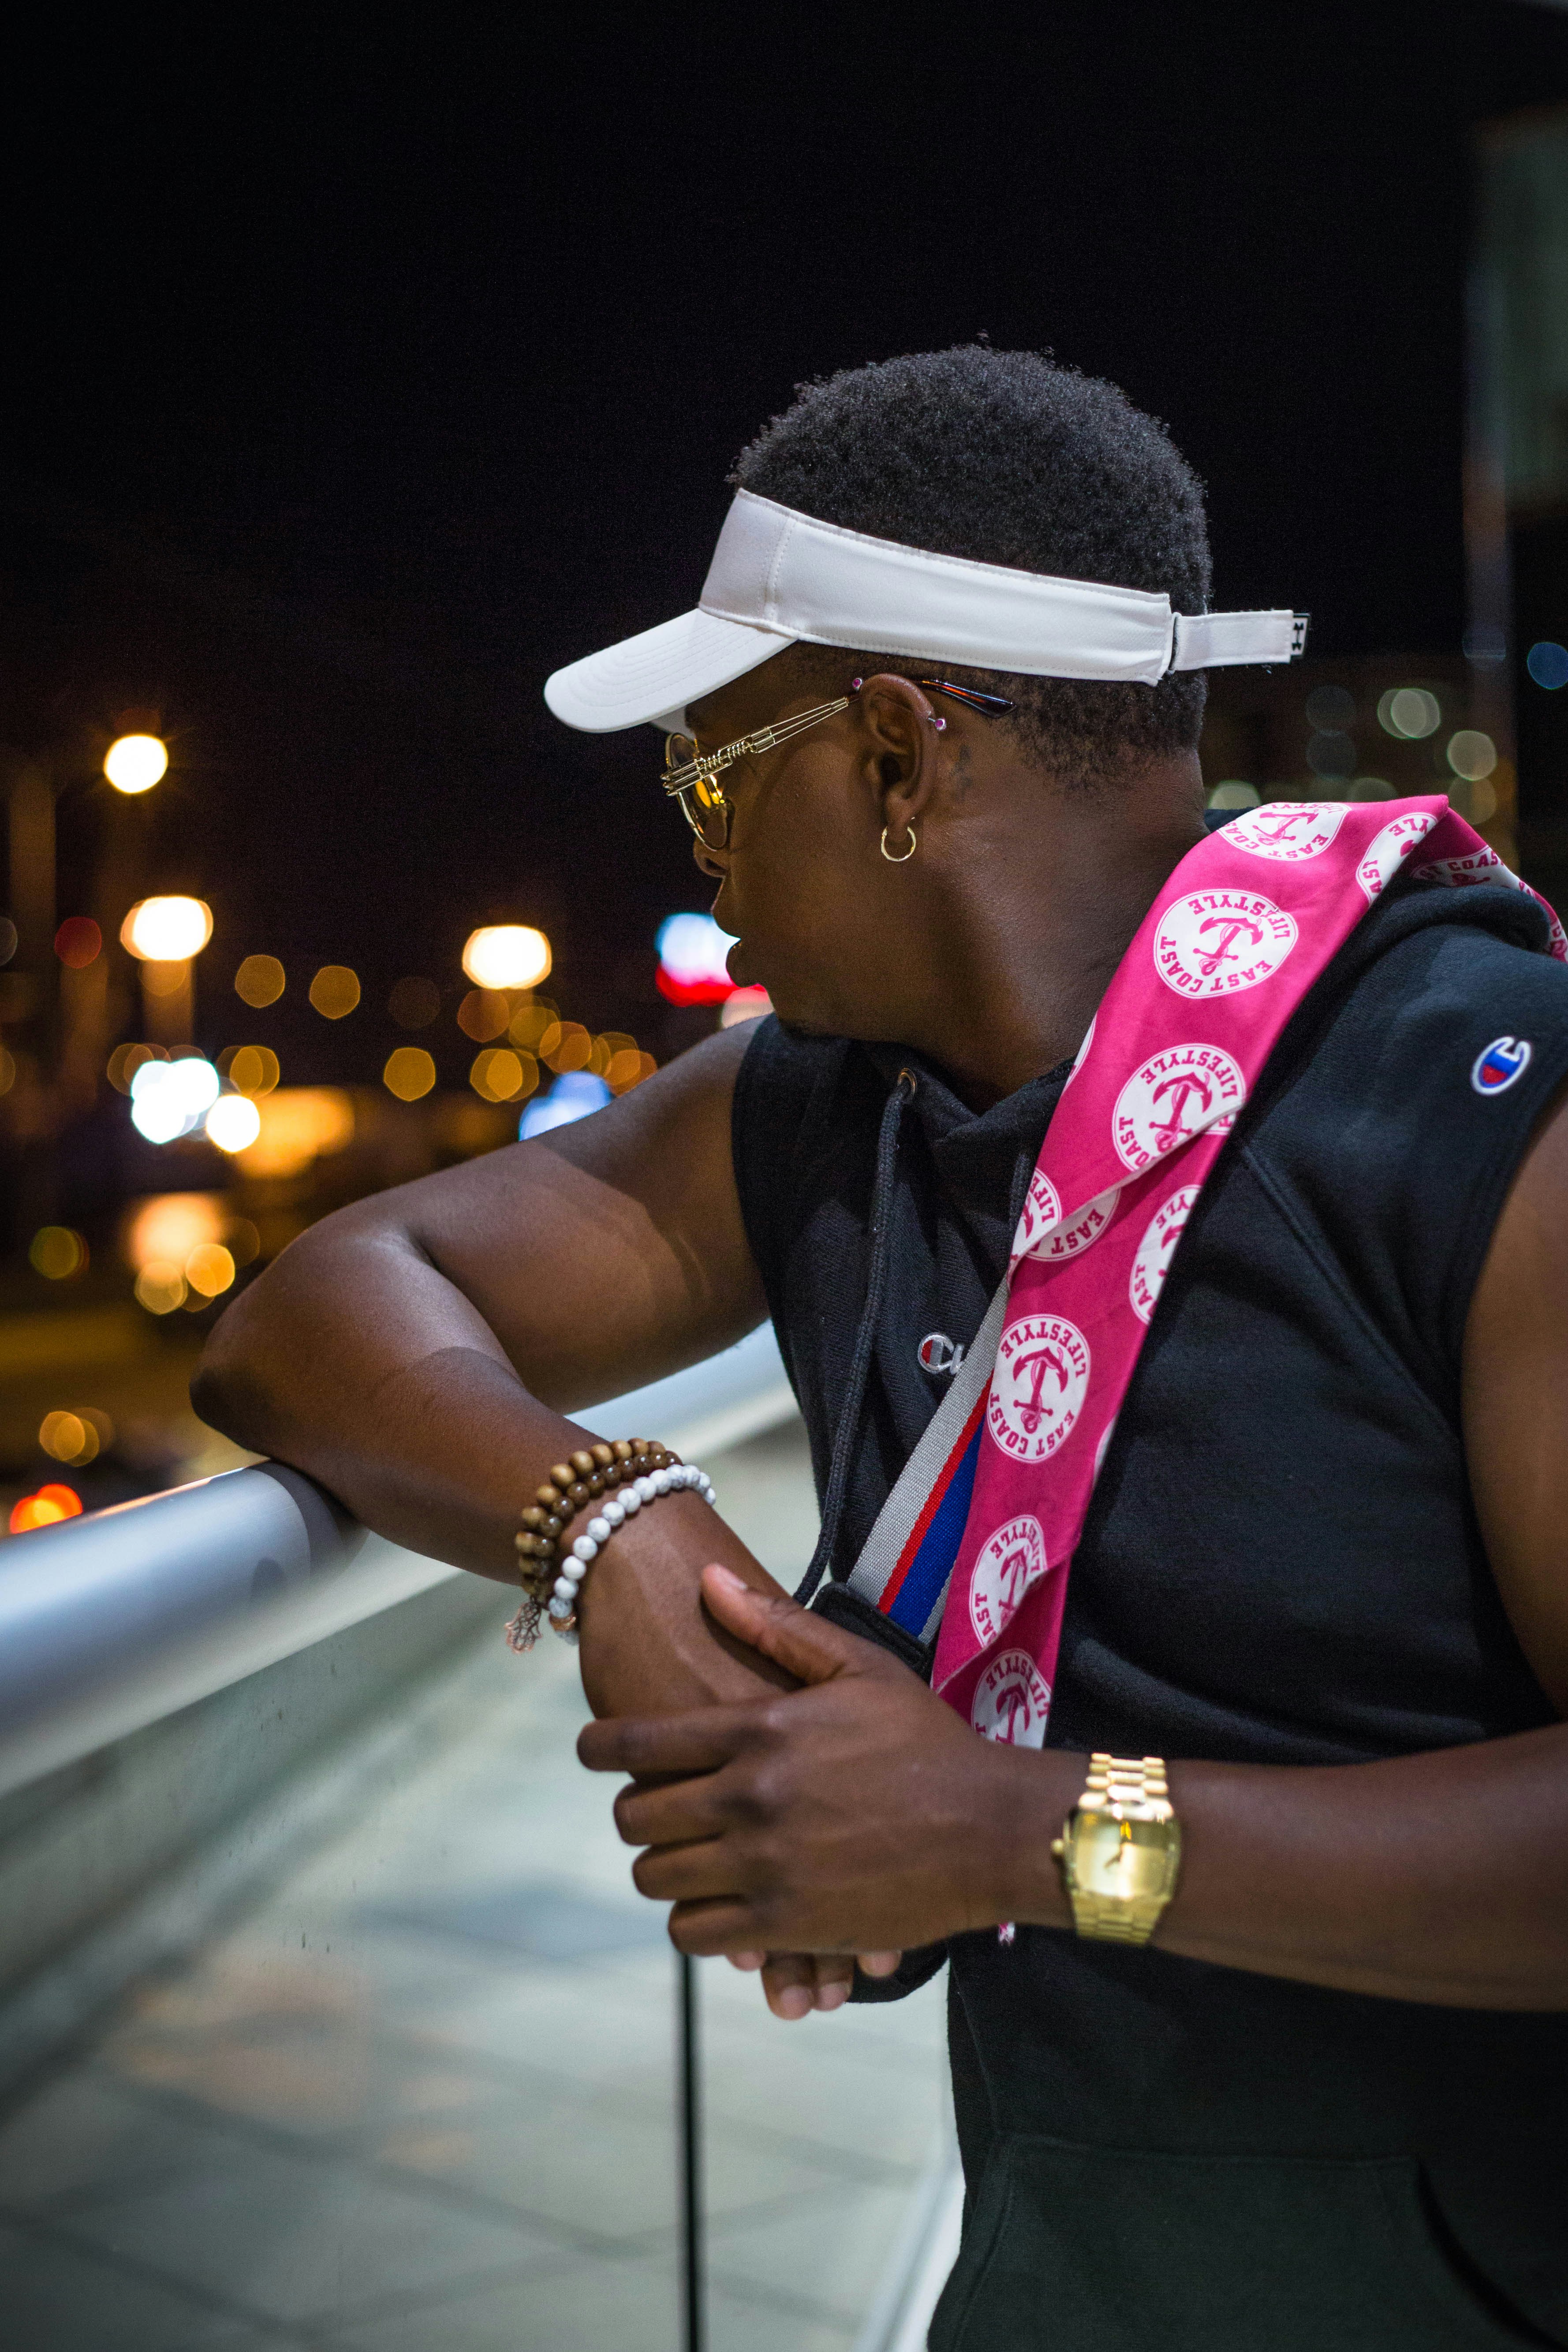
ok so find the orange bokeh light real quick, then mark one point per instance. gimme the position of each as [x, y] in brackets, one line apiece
[49, 1505]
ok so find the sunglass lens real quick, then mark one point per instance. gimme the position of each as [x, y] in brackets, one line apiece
[710, 812]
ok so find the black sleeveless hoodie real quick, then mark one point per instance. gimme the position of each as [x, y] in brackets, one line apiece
[1282, 1564]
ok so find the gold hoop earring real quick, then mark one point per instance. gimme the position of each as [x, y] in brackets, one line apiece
[907, 854]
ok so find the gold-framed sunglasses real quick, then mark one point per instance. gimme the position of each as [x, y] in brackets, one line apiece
[691, 776]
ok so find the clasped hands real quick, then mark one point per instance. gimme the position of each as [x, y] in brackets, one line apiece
[856, 1815]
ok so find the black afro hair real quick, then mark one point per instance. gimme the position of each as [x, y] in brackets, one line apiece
[1008, 458]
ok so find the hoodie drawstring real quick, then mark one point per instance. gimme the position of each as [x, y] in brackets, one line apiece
[854, 1408]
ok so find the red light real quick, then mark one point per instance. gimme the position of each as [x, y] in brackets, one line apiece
[49, 1505]
[77, 941]
[693, 992]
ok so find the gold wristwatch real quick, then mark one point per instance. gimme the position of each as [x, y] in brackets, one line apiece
[1119, 1850]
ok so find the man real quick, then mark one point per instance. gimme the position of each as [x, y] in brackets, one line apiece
[1317, 1547]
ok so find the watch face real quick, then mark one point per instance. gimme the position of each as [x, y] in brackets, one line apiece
[1122, 1861]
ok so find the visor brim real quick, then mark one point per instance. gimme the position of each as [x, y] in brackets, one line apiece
[658, 674]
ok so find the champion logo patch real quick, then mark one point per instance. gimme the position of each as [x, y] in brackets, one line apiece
[1505, 1059]
[938, 1353]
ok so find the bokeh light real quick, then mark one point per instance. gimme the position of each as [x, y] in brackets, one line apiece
[692, 969]
[483, 1013]
[167, 930]
[77, 941]
[126, 1060]
[160, 1286]
[135, 763]
[209, 1269]
[506, 955]
[1332, 756]
[259, 981]
[1409, 711]
[57, 1253]
[232, 1123]
[414, 1003]
[1331, 706]
[628, 1068]
[77, 1436]
[172, 1098]
[606, 1046]
[571, 1097]
[45, 1509]
[8, 1071]
[1483, 803]
[166, 979]
[66, 1436]
[334, 991]
[1233, 794]
[1471, 754]
[410, 1073]
[1547, 663]
[501, 1075]
[7, 938]
[299, 1124]
[244, 1242]
[250, 1069]
[530, 1022]
[566, 1045]
[167, 1226]
[1369, 788]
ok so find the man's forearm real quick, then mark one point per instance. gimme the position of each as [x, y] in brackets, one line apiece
[369, 1371]
[1441, 1877]
[357, 1361]
[859, 1813]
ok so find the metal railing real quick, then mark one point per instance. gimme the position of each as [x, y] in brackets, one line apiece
[120, 1617]
[115, 1620]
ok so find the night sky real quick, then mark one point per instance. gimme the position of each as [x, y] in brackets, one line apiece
[357, 374]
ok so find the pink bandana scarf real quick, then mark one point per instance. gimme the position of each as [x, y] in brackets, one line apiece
[1246, 924]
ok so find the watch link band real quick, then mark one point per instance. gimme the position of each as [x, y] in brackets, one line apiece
[1119, 1849]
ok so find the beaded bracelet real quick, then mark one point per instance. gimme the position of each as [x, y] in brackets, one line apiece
[550, 1574]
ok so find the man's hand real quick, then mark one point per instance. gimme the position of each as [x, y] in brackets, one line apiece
[794, 1983]
[648, 1646]
[648, 1643]
[857, 1814]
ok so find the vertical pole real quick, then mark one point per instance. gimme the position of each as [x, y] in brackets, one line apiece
[690, 2109]
[31, 829]
[168, 1004]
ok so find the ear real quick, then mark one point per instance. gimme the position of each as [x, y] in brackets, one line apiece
[904, 746]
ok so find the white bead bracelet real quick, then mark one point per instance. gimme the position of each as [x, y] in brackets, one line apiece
[561, 1609]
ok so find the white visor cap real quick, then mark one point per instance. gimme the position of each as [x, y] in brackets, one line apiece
[779, 578]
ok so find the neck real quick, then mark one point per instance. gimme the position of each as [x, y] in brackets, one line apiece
[1028, 939]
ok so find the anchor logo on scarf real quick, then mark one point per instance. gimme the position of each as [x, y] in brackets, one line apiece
[978, 1535]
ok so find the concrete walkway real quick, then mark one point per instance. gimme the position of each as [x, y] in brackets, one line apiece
[420, 2099]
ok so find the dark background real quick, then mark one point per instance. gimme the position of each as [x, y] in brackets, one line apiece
[358, 374]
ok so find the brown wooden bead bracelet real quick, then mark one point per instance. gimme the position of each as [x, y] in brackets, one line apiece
[574, 1486]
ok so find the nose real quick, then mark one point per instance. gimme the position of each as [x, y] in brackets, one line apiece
[710, 861]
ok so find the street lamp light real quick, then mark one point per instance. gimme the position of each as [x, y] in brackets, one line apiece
[164, 935]
[167, 930]
[135, 763]
[506, 955]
